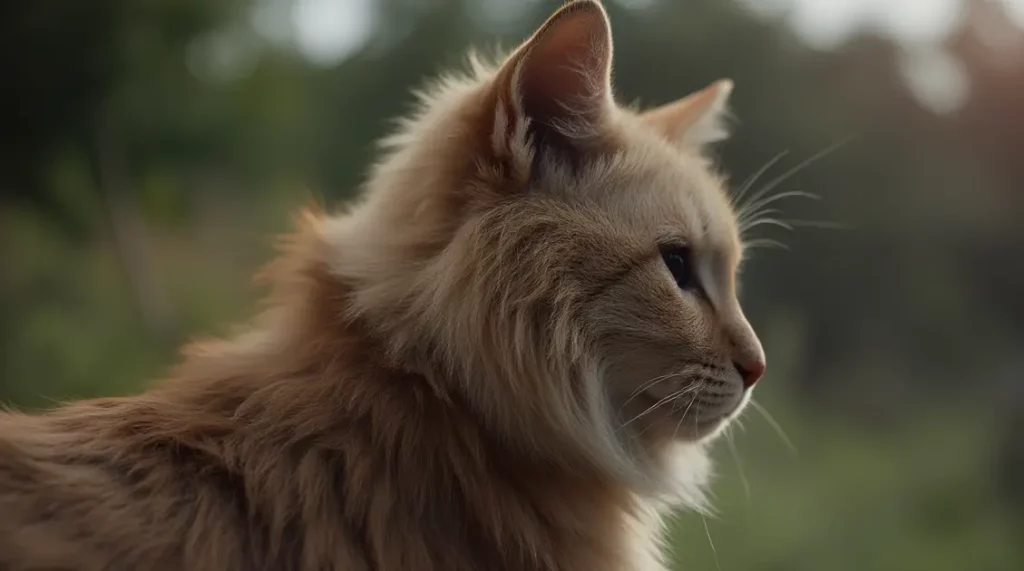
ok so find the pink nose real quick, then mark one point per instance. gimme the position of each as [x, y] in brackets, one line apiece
[751, 371]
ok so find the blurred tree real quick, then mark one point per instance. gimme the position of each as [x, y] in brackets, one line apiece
[992, 49]
[66, 67]
[105, 85]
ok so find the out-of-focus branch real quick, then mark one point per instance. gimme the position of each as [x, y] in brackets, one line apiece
[131, 236]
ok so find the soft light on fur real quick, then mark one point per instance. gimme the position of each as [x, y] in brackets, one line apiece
[485, 363]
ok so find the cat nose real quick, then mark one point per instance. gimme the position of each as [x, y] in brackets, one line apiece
[751, 371]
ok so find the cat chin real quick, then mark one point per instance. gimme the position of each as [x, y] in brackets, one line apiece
[673, 471]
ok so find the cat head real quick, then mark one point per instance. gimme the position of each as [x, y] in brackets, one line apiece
[567, 265]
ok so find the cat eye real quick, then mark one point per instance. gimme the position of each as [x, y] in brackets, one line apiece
[677, 260]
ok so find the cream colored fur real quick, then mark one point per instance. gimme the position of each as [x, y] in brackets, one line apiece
[509, 355]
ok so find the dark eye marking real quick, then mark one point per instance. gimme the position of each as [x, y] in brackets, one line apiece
[679, 261]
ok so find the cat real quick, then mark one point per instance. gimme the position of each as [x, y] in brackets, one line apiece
[510, 353]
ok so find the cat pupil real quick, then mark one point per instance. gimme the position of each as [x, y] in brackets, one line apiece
[677, 260]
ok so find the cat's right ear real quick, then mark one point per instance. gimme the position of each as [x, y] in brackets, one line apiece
[696, 120]
[553, 94]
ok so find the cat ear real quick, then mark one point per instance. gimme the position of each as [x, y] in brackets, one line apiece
[695, 120]
[556, 87]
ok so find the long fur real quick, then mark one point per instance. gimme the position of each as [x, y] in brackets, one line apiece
[438, 380]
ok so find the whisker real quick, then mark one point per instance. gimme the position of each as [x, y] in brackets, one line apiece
[766, 222]
[820, 224]
[797, 168]
[731, 442]
[746, 186]
[714, 552]
[787, 223]
[682, 417]
[744, 225]
[658, 404]
[753, 209]
[740, 423]
[639, 390]
[764, 212]
[764, 243]
[774, 424]
[652, 382]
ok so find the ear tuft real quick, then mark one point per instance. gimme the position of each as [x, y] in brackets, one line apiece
[697, 120]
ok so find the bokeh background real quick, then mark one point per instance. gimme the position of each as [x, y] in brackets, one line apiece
[151, 149]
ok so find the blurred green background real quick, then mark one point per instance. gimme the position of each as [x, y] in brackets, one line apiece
[153, 148]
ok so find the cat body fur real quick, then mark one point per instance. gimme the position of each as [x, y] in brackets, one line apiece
[438, 380]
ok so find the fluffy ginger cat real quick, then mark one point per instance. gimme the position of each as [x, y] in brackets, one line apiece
[509, 355]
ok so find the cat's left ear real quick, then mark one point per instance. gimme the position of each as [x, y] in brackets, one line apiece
[695, 120]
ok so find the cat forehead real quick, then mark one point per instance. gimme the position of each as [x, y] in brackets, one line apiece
[657, 192]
